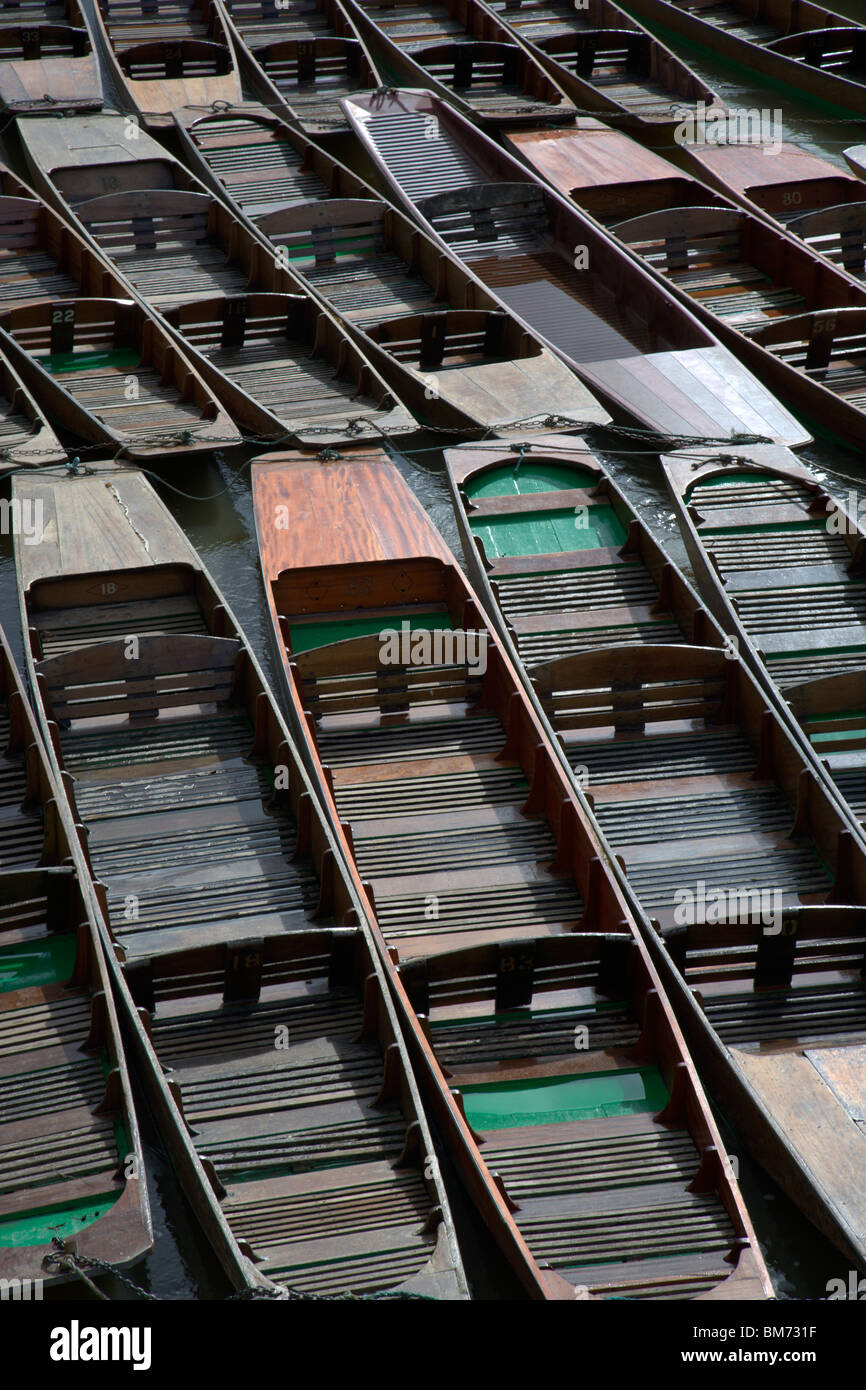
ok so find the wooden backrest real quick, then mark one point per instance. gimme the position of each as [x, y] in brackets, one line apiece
[327, 231]
[682, 236]
[462, 64]
[451, 337]
[626, 688]
[139, 676]
[42, 42]
[146, 217]
[517, 974]
[501, 218]
[590, 50]
[295, 61]
[357, 675]
[175, 58]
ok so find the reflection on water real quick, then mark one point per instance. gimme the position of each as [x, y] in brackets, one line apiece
[214, 507]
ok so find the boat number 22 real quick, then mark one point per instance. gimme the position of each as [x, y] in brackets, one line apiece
[63, 315]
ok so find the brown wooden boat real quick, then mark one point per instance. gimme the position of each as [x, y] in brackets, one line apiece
[260, 1015]
[275, 358]
[168, 58]
[796, 320]
[71, 1161]
[47, 60]
[792, 591]
[446, 346]
[607, 62]
[283, 368]
[793, 43]
[509, 933]
[27, 440]
[167, 236]
[300, 60]
[460, 50]
[107, 371]
[729, 834]
[636, 345]
[257, 163]
[814, 199]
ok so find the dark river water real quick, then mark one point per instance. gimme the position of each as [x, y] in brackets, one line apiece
[212, 502]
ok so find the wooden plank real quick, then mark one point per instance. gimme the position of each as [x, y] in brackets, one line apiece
[826, 1141]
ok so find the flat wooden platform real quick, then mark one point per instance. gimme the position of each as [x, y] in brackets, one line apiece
[811, 1095]
[377, 519]
[73, 543]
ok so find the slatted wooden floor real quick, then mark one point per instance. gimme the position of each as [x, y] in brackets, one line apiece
[256, 164]
[132, 22]
[536, 19]
[169, 254]
[314, 94]
[21, 824]
[733, 20]
[788, 575]
[285, 371]
[59, 1156]
[289, 1093]
[591, 590]
[712, 268]
[430, 793]
[260, 22]
[181, 829]
[603, 1198]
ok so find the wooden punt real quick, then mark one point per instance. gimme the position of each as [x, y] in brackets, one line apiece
[814, 199]
[302, 59]
[745, 870]
[777, 558]
[446, 346]
[553, 545]
[166, 234]
[796, 320]
[276, 360]
[607, 62]
[794, 43]
[506, 953]
[257, 163]
[284, 369]
[71, 1165]
[47, 60]
[639, 348]
[27, 440]
[260, 1015]
[461, 51]
[172, 57]
[108, 372]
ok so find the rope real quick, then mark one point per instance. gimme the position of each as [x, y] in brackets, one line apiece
[68, 1262]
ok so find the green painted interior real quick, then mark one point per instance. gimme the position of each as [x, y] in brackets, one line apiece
[37, 1227]
[561, 1099]
[305, 636]
[120, 358]
[542, 533]
[845, 735]
[48, 961]
[533, 475]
